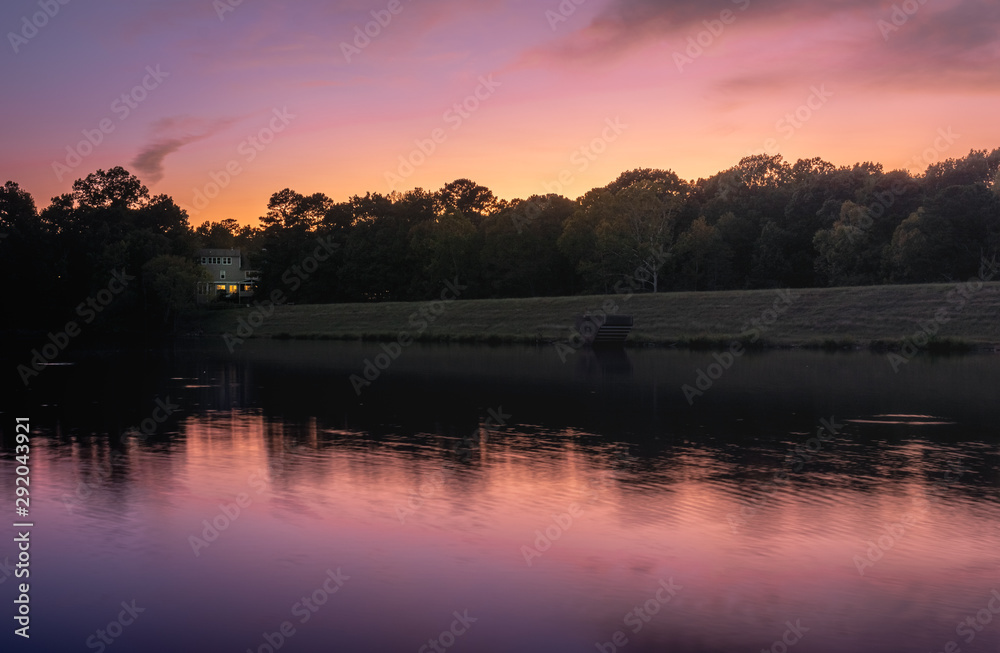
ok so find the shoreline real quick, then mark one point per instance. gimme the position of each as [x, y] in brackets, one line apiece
[932, 317]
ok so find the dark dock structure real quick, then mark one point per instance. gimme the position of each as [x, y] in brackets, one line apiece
[604, 330]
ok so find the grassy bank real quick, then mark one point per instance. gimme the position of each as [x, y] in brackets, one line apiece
[876, 316]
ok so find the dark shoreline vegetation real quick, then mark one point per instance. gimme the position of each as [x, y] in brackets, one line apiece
[110, 258]
[695, 343]
[883, 318]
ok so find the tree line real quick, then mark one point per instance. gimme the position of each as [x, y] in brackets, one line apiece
[763, 223]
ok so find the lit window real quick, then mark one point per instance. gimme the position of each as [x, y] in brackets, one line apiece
[232, 289]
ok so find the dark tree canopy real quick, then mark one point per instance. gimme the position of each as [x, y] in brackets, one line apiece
[762, 223]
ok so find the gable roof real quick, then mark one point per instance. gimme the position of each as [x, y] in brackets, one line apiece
[220, 252]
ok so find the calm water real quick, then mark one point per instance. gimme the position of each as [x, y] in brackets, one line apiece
[523, 503]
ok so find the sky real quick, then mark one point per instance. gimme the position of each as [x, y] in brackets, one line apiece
[221, 103]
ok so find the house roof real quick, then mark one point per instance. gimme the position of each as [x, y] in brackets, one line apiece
[219, 252]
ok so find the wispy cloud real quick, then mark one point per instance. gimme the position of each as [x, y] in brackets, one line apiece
[626, 25]
[784, 43]
[170, 135]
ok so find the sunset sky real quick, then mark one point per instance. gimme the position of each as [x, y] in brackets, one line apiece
[580, 92]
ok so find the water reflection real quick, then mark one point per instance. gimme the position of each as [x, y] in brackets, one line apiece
[558, 509]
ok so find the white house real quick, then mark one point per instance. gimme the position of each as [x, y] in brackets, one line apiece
[229, 280]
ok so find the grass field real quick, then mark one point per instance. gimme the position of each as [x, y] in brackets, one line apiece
[876, 316]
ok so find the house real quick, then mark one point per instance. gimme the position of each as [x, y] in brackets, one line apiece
[229, 279]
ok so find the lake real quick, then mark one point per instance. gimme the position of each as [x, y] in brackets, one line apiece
[473, 498]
